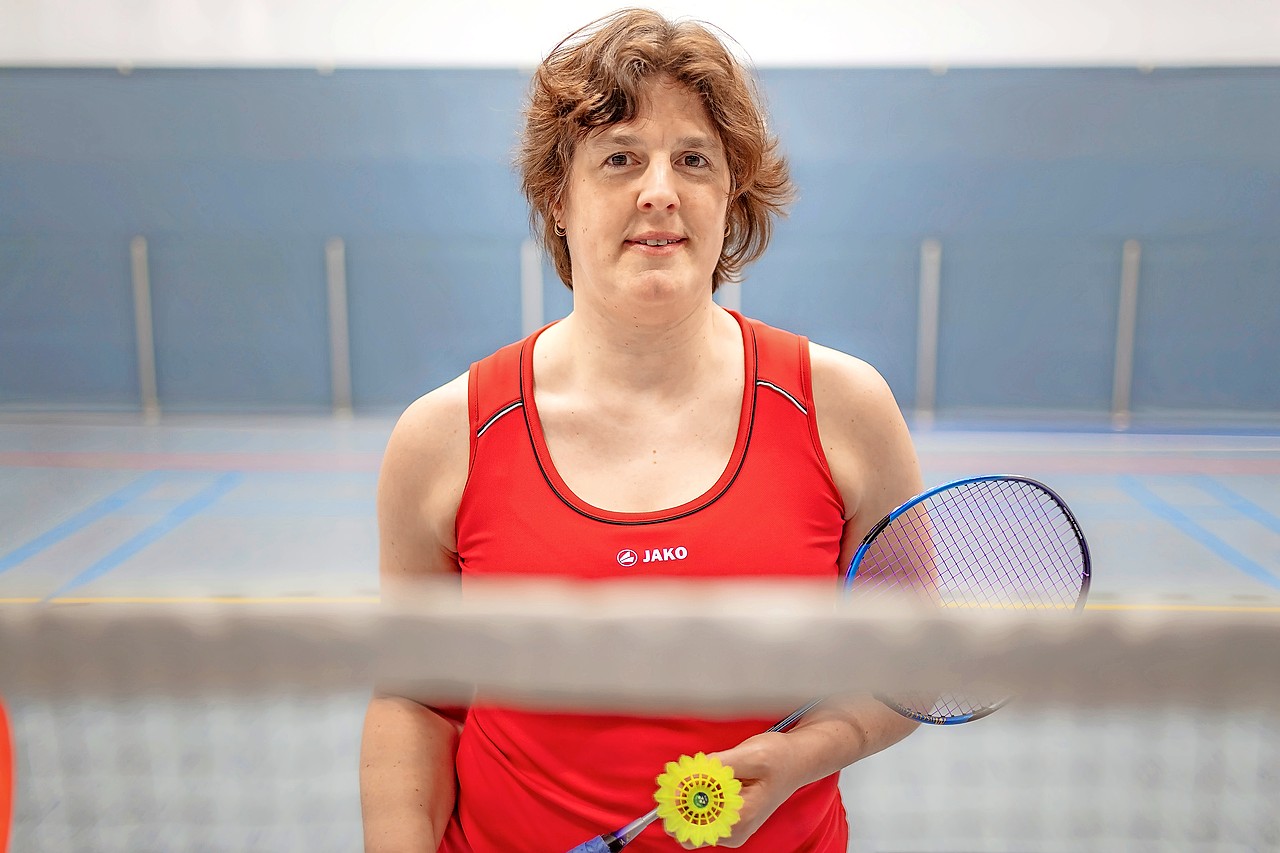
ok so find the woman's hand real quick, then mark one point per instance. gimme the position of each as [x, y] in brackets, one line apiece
[764, 766]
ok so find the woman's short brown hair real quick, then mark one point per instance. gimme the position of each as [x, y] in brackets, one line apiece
[595, 78]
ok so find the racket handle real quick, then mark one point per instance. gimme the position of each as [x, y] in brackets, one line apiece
[612, 842]
[600, 844]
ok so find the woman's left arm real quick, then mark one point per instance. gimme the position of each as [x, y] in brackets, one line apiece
[874, 465]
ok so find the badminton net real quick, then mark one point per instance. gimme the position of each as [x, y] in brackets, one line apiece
[234, 728]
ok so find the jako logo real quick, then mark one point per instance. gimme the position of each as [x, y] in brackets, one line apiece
[627, 557]
[658, 555]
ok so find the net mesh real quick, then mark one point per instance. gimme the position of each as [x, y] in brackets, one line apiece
[237, 728]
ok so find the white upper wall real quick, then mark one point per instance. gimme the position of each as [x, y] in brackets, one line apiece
[517, 33]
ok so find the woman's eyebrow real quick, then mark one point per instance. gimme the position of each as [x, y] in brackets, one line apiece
[699, 142]
[630, 140]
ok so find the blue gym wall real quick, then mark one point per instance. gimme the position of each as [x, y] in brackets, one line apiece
[1031, 180]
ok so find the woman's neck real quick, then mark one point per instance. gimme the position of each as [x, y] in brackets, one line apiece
[667, 356]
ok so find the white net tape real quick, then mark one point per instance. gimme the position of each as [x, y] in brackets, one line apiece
[634, 648]
[237, 727]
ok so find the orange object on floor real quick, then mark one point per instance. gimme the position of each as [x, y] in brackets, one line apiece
[6, 779]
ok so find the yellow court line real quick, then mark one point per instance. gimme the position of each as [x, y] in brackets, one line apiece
[1190, 608]
[201, 599]
[373, 599]
[1133, 607]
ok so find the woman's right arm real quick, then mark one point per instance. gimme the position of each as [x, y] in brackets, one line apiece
[407, 777]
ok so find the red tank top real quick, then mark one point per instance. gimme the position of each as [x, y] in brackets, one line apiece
[542, 781]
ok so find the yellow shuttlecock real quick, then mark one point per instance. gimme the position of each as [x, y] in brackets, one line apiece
[698, 799]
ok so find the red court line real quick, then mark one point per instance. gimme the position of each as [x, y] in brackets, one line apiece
[182, 461]
[1049, 462]
[1071, 462]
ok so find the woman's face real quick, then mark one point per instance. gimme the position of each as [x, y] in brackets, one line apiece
[645, 203]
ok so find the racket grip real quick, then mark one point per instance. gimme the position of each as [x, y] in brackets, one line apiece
[606, 843]
[612, 842]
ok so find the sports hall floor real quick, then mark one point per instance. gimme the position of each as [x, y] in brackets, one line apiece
[109, 508]
[104, 509]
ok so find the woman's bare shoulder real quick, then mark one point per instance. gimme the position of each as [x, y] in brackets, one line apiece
[849, 386]
[424, 471]
[432, 422]
[863, 432]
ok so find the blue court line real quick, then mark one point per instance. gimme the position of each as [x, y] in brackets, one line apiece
[172, 519]
[111, 503]
[1188, 527]
[1237, 502]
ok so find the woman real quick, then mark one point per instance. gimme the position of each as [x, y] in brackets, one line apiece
[648, 418]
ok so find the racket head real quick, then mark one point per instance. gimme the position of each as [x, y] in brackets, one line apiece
[995, 542]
